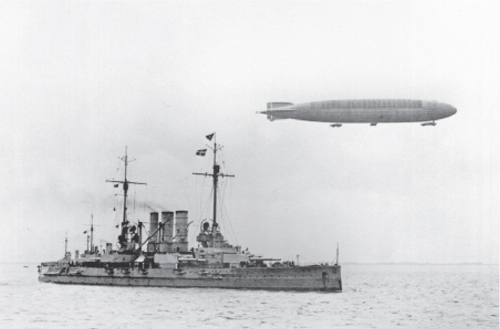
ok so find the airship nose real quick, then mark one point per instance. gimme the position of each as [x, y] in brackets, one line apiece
[447, 110]
[450, 110]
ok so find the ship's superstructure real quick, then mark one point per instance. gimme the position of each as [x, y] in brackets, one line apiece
[165, 259]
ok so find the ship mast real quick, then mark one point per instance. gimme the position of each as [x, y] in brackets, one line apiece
[92, 232]
[125, 183]
[215, 175]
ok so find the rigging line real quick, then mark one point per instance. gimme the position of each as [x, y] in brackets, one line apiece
[117, 169]
[184, 179]
[169, 182]
[207, 204]
[135, 192]
[221, 197]
[188, 198]
[116, 212]
[201, 209]
[230, 205]
[220, 200]
[228, 219]
[226, 167]
[144, 203]
[224, 220]
[204, 187]
[197, 195]
[228, 189]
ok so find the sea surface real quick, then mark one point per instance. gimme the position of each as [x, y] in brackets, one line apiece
[375, 296]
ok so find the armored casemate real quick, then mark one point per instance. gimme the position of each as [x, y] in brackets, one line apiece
[167, 260]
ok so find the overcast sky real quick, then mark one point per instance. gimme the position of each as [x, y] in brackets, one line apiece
[81, 80]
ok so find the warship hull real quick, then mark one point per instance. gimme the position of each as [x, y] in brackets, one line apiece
[306, 278]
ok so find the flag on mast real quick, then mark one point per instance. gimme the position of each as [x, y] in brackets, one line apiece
[209, 137]
[201, 152]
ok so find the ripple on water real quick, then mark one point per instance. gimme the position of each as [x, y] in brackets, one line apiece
[375, 296]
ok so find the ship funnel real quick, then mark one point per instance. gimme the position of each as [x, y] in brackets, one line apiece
[153, 226]
[181, 230]
[168, 228]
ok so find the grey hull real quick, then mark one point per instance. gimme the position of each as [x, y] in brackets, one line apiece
[318, 278]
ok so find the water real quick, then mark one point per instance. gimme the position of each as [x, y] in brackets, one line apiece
[375, 296]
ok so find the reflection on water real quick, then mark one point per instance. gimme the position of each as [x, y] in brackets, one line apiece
[375, 296]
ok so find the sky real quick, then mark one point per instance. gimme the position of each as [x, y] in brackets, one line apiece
[82, 80]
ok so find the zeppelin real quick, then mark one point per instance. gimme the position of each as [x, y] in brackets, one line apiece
[372, 111]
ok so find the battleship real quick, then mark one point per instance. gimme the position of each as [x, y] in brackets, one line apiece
[163, 258]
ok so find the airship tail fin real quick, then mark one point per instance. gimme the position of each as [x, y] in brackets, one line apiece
[277, 104]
